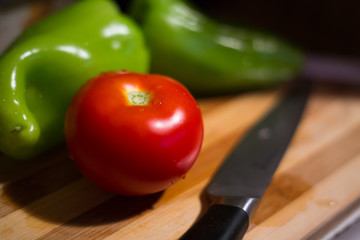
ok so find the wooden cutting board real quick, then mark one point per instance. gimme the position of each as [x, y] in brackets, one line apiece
[317, 183]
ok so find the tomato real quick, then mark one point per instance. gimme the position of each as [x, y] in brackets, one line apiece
[133, 134]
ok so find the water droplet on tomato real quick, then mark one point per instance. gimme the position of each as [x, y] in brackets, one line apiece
[158, 102]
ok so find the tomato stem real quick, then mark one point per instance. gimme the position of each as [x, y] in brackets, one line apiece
[138, 98]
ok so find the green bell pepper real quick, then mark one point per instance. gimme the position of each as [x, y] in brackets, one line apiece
[210, 57]
[42, 70]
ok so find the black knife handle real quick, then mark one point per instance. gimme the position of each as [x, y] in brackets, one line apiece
[220, 222]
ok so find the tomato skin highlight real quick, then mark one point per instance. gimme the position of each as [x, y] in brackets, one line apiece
[133, 149]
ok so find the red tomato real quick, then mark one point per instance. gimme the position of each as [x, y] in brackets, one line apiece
[133, 134]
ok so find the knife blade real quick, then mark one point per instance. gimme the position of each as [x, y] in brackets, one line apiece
[237, 187]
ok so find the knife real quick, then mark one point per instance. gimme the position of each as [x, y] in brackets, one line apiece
[237, 187]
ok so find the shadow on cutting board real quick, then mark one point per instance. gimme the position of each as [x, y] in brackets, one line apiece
[287, 186]
[52, 189]
[55, 191]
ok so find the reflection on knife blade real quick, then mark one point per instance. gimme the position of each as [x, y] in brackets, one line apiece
[240, 182]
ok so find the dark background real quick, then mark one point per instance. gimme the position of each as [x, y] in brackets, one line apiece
[322, 26]
[327, 26]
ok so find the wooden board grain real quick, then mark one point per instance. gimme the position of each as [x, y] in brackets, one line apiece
[316, 182]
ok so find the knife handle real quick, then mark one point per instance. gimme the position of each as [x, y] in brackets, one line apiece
[220, 222]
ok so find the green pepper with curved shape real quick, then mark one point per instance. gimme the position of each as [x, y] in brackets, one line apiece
[210, 57]
[42, 70]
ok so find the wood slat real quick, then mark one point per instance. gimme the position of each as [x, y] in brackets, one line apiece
[313, 208]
